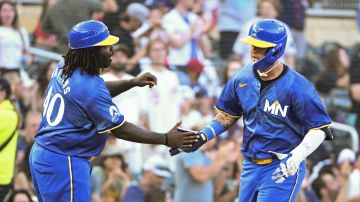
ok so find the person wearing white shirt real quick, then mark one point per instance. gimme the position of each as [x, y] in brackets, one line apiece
[129, 104]
[186, 38]
[14, 40]
[161, 104]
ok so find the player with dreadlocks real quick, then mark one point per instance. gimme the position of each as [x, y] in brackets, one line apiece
[79, 115]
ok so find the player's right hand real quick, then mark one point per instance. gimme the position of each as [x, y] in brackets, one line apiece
[146, 79]
[178, 139]
[289, 165]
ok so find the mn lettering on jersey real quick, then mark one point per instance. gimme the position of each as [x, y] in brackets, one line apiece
[275, 108]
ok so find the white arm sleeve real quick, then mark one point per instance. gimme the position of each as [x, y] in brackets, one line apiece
[311, 141]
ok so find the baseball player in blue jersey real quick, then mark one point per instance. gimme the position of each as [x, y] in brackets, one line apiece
[79, 115]
[284, 119]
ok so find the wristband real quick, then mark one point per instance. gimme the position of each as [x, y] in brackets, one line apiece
[213, 129]
[166, 139]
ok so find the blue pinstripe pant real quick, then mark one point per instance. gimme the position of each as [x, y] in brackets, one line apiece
[256, 183]
[58, 177]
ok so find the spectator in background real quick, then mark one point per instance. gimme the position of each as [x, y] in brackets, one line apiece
[163, 5]
[336, 70]
[17, 96]
[43, 40]
[208, 13]
[39, 89]
[20, 196]
[161, 105]
[162, 101]
[195, 171]
[293, 14]
[26, 137]
[354, 178]
[136, 14]
[22, 179]
[14, 40]
[155, 171]
[151, 30]
[110, 179]
[8, 138]
[60, 18]
[227, 184]
[130, 99]
[354, 186]
[329, 187]
[184, 28]
[111, 14]
[204, 103]
[232, 15]
[267, 9]
[189, 114]
[354, 72]
[193, 69]
[233, 64]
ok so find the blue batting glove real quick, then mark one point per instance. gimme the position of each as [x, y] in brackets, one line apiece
[195, 146]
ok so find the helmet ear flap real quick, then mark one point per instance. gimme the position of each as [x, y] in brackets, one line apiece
[276, 51]
[270, 57]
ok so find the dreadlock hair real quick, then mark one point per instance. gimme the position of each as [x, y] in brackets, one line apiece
[88, 60]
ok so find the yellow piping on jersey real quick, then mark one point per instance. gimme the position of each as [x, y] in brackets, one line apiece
[232, 116]
[108, 130]
[320, 127]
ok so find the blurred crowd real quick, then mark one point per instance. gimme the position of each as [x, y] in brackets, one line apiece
[193, 48]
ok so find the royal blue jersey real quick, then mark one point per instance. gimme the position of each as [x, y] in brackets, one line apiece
[277, 117]
[78, 114]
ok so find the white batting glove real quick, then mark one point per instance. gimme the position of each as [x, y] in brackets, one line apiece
[288, 166]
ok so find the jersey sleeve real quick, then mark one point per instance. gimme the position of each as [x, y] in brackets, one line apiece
[228, 100]
[310, 110]
[103, 112]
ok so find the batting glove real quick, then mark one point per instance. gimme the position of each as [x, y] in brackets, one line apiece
[288, 166]
[195, 146]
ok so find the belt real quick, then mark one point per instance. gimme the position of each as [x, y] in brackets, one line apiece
[262, 161]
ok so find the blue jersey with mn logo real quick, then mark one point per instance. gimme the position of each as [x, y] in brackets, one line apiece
[275, 118]
[77, 115]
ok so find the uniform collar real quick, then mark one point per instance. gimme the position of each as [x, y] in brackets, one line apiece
[6, 104]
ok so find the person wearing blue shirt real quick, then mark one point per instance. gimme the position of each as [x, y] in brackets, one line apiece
[79, 115]
[284, 118]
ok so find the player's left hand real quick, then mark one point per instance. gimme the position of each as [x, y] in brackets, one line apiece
[288, 166]
[202, 139]
[146, 79]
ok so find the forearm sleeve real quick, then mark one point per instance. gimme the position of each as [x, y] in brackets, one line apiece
[311, 141]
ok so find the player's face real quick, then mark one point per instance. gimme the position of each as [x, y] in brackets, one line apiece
[106, 52]
[257, 53]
